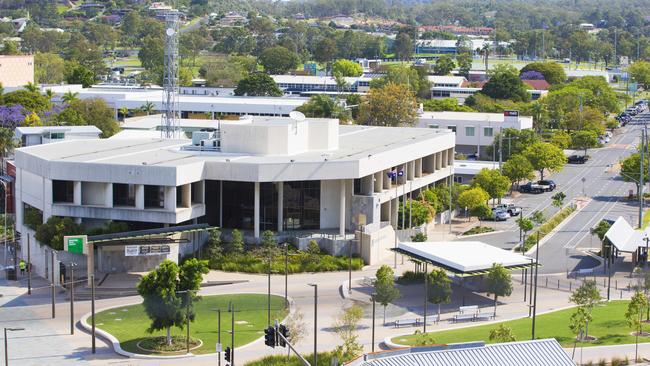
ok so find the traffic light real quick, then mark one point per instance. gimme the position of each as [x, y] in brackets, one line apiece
[269, 337]
[285, 332]
[227, 354]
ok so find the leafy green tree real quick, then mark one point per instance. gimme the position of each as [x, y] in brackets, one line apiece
[586, 297]
[7, 142]
[258, 84]
[579, 321]
[584, 140]
[403, 46]
[152, 53]
[49, 68]
[214, 246]
[162, 288]
[345, 327]
[482, 212]
[502, 334]
[399, 74]
[492, 181]
[631, 169]
[233, 40]
[325, 50]
[589, 119]
[236, 244]
[278, 60]
[544, 156]
[600, 230]
[499, 283]
[518, 168]
[634, 313]
[439, 288]
[419, 212]
[69, 97]
[346, 68]
[553, 72]
[33, 102]
[322, 106]
[444, 65]
[525, 225]
[385, 290]
[419, 238]
[558, 199]
[9, 48]
[392, 105]
[640, 71]
[473, 198]
[504, 83]
[561, 139]
[95, 112]
[538, 217]
[464, 61]
[268, 239]
[79, 74]
[51, 232]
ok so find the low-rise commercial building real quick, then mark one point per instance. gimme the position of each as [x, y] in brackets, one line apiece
[29, 136]
[264, 173]
[474, 131]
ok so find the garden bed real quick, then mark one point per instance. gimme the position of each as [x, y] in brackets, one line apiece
[547, 227]
[478, 230]
[299, 262]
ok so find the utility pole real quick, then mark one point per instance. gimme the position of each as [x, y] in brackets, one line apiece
[641, 174]
[29, 268]
[500, 150]
[535, 294]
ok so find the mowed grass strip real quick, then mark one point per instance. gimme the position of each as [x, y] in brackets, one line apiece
[608, 325]
[129, 323]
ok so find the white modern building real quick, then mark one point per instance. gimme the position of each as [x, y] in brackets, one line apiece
[29, 136]
[304, 84]
[466, 170]
[254, 174]
[209, 106]
[474, 131]
[463, 92]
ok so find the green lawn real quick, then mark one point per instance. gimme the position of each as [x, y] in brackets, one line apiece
[608, 325]
[129, 323]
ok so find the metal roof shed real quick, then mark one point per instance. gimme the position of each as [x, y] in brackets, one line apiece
[463, 258]
[541, 352]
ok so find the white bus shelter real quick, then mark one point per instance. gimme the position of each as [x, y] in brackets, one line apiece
[624, 238]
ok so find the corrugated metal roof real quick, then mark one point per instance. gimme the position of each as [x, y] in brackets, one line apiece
[543, 352]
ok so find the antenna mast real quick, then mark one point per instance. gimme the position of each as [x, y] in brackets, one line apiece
[170, 116]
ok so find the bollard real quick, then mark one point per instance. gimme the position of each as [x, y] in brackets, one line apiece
[558, 284]
[604, 283]
[616, 284]
[570, 286]
[621, 294]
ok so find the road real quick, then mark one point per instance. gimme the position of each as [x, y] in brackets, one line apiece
[597, 179]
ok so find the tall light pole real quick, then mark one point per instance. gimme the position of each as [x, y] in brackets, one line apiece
[372, 297]
[6, 354]
[535, 293]
[315, 286]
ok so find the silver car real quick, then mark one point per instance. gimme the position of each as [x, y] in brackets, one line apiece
[500, 215]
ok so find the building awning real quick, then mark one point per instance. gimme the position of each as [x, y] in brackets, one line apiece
[161, 235]
[463, 258]
[624, 238]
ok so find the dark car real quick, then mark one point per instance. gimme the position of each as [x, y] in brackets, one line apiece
[578, 159]
[547, 183]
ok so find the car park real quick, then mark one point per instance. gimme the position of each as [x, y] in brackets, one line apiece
[578, 159]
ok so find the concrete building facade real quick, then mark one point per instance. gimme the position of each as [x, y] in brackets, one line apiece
[255, 174]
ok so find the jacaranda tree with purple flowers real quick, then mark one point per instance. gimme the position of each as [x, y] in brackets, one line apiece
[531, 75]
[11, 116]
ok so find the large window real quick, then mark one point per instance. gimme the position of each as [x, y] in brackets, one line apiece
[302, 205]
[488, 132]
[469, 131]
[452, 128]
[62, 191]
[123, 195]
[154, 196]
[238, 199]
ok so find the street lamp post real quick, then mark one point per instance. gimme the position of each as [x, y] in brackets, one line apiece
[535, 294]
[6, 354]
[350, 266]
[372, 297]
[72, 265]
[286, 275]
[315, 286]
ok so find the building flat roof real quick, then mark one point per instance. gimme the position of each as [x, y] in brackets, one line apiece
[467, 116]
[624, 237]
[42, 129]
[463, 256]
[539, 352]
[355, 142]
[471, 167]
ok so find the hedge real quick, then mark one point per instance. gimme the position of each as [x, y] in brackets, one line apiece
[250, 262]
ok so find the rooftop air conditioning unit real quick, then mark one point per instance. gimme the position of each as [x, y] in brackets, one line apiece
[199, 136]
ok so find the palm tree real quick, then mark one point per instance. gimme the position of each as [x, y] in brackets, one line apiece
[49, 94]
[147, 108]
[538, 110]
[124, 111]
[70, 97]
[31, 87]
[485, 51]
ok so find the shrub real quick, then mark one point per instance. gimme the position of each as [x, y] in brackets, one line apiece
[32, 217]
[478, 230]
[419, 237]
[410, 278]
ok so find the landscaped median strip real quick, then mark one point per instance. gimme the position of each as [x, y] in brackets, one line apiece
[125, 326]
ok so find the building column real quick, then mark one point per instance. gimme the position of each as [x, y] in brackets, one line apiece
[139, 196]
[342, 207]
[108, 195]
[170, 198]
[256, 211]
[76, 196]
[280, 206]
